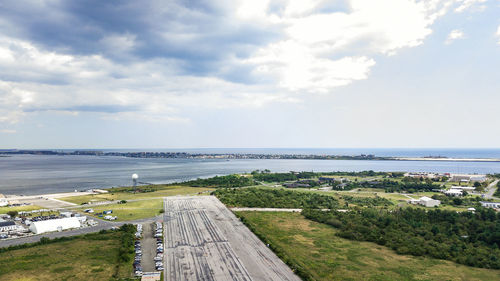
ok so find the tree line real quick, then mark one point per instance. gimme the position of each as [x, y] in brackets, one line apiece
[467, 238]
[274, 198]
[221, 181]
[391, 186]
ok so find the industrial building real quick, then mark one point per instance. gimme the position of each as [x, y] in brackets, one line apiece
[466, 188]
[38, 227]
[6, 226]
[468, 178]
[453, 192]
[425, 201]
[495, 205]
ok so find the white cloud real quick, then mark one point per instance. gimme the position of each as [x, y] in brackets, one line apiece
[454, 35]
[298, 67]
[7, 131]
[498, 34]
[322, 51]
[466, 4]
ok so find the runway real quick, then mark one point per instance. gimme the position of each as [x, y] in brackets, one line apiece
[205, 241]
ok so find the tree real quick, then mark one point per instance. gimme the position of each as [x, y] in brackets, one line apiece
[12, 214]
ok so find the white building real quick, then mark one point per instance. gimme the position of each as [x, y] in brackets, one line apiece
[466, 188]
[495, 205]
[3, 202]
[38, 227]
[66, 214]
[453, 192]
[429, 202]
[426, 201]
[479, 178]
[468, 178]
[7, 226]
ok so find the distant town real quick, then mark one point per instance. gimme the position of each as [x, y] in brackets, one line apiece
[186, 155]
[145, 154]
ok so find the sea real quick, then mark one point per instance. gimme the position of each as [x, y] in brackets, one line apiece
[41, 174]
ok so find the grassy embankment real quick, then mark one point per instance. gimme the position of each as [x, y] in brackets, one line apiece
[316, 249]
[4, 210]
[90, 257]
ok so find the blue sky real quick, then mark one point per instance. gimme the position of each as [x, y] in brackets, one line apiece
[261, 73]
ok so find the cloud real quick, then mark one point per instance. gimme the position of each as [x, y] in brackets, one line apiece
[322, 50]
[454, 35]
[7, 131]
[498, 34]
[466, 4]
[163, 60]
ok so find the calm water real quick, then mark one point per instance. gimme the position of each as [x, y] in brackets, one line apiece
[32, 174]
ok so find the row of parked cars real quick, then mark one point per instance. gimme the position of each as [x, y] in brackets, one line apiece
[138, 251]
[158, 234]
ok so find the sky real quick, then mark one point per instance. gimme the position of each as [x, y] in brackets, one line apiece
[258, 73]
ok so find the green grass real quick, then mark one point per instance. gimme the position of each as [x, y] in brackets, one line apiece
[4, 210]
[92, 257]
[314, 247]
[162, 191]
[131, 210]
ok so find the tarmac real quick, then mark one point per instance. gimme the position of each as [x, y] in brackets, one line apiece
[205, 241]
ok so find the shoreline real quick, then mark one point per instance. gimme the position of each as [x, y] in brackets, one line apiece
[446, 159]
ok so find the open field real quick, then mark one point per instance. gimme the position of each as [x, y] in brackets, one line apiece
[162, 191]
[205, 241]
[397, 199]
[131, 210]
[93, 257]
[314, 247]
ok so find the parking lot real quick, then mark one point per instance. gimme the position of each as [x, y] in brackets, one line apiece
[205, 241]
[148, 248]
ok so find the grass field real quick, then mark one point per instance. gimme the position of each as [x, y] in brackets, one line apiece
[4, 210]
[93, 257]
[131, 210]
[163, 190]
[315, 248]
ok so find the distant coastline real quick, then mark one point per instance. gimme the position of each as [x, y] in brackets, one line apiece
[446, 159]
[186, 155]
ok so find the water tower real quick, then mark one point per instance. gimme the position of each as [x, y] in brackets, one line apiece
[135, 177]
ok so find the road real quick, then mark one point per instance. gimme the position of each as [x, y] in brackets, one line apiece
[239, 209]
[205, 241]
[102, 225]
[491, 189]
